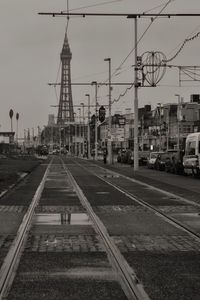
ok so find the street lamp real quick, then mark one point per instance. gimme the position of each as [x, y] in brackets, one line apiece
[159, 105]
[75, 135]
[17, 119]
[178, 129]
[11, 116]
[96, 116]
[109, 115]
[79, 151]
[83, 106]
[89, 154]
[167, 126]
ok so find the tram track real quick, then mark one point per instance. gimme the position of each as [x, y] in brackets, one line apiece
[130, 283]
[141, 202]
[125, 273]
[11, 261]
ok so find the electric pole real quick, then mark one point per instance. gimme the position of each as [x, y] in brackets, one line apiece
[88, 137]
[96, 119]
[109, 115]
[136, 165]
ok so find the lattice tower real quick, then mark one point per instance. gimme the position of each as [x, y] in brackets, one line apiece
[65, 109]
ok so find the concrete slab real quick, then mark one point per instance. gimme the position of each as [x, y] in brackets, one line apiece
[190, 219]
[10, 222]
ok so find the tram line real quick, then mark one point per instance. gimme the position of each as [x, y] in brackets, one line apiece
[130, 284]
[104, 176]
[12, 259]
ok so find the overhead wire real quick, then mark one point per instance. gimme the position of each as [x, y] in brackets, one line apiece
[197, 27]
[58, 72]
[141, 37]
[152, 20]
[182, 46]
[93, 5]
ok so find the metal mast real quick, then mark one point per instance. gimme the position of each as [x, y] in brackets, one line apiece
[65, 109]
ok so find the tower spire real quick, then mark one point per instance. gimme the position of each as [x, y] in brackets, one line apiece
[65, 109]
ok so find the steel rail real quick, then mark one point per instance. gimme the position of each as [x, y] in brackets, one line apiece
[158, 212]
[169, 194]
[130, 284]
[12, 259]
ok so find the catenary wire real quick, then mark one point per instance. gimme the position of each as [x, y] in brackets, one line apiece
[93, 5]
[197, 35]
[152, 20]
[127, 89]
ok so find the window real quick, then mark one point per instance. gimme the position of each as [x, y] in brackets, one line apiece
[190, 148]
[187, 128]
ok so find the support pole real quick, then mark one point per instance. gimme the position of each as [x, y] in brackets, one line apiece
[178, 122]
[88, 137]
[96, 119]
[136, 165]
[109, 115]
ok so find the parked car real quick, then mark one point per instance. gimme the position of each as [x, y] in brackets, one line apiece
[129, 157]
[143, 157]
[161, 160]
[175, 163]
[152, 159]
[121, 155]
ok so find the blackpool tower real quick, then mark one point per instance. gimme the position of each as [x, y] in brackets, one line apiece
[65, 108]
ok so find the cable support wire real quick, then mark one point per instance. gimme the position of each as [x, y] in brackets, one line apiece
[196, 28]
[123, 94]
[67, 16]
[194, 76]
[182, 46]
[158, 6]
[141, 37]
[93, 5]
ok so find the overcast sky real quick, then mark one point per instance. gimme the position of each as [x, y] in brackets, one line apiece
[31, 45]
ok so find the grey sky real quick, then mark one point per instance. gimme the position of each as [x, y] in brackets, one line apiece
[31, 45]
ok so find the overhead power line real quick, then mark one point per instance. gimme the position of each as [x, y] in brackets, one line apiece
[93, 5]
[123, 94]
[141, 37]
[182, 46]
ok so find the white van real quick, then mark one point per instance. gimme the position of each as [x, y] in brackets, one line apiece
[191, 159]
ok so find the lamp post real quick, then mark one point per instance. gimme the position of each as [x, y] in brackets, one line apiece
[159, 105]
[83, 106]
[178, 129]
[17, 119]
[96, 116]
[88, 133]
[136, 85]
[79, 151]
[109, 115]
[168, 127]
[75, 135]
[11, 116]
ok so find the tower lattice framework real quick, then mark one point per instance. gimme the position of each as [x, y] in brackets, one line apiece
[65, 109]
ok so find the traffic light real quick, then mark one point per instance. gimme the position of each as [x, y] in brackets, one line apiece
[102, 113]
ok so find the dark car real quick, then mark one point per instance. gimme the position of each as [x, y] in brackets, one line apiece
[175, 163]
[161, 161]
